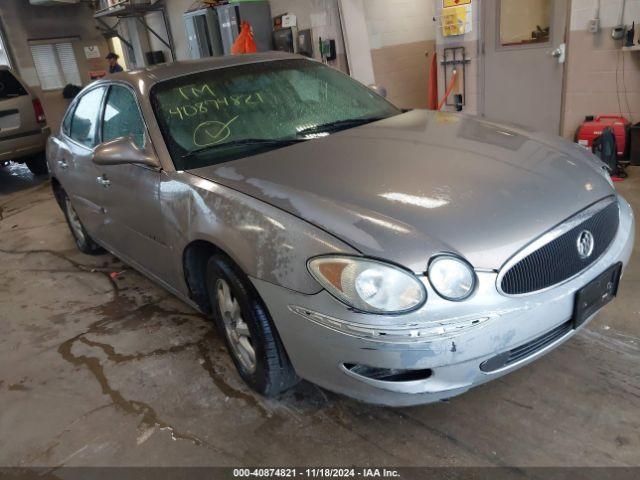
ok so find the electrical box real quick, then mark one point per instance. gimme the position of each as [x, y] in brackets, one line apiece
[257, 13]
[203, 33]
[328, 49]
[284, 39]
[305, 43]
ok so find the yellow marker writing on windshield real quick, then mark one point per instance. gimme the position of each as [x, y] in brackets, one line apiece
[212, 132]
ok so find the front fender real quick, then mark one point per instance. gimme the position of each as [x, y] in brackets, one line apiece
[264, 241]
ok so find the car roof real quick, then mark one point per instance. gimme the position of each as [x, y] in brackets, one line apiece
[143, 79]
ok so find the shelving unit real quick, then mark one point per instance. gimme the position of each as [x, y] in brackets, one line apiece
[126, 8]
[133, 9]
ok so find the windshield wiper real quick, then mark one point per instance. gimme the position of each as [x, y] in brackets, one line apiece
[244, 142]
[340, 125]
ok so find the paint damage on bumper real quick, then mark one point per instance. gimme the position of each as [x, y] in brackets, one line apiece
[450, 341]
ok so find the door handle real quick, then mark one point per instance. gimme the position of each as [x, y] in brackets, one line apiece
[106, 183]
[560, 53]
[63, 164]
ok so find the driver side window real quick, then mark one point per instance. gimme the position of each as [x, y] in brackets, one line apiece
[122, 116]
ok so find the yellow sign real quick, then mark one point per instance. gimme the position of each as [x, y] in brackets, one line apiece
[455, 21]
[454, 3]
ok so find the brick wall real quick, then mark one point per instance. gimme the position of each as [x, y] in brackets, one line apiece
[600, 76]
[402, 37]
[404, 71]
[322, 17]
[398, 22]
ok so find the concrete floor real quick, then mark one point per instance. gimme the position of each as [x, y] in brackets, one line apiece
[98, 366]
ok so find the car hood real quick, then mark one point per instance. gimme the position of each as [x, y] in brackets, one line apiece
[425, 182]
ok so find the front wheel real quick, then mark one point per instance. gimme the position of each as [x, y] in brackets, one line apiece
[38, 164]
[83, 240]
[251, 338]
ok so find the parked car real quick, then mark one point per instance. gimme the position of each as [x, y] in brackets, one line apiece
[23, 125]
[399, 258]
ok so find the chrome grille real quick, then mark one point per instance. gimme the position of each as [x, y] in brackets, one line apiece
[555, 258]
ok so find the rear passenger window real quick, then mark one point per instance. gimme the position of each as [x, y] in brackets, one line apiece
[85, 118]
[10, 87]
[122, 116]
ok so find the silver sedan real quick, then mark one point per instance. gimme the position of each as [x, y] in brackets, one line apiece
[398, 257]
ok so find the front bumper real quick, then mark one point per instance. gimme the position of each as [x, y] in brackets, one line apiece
[321, 335]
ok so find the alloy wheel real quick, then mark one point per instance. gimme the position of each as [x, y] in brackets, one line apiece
[74, 221]
[236, 328]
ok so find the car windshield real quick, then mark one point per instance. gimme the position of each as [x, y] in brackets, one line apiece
[224, 114]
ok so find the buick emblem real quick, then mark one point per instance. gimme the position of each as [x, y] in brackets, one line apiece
[585, 244]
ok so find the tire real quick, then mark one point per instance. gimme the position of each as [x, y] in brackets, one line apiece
[38, 164]
[271, 372]
[83, 240]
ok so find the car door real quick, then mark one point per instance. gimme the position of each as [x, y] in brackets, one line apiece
[134, 225]
[74, 160]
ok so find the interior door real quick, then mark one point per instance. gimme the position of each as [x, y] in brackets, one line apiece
[134, 222]
[524, 43]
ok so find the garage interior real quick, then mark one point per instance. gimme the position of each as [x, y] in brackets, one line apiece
[99, 366]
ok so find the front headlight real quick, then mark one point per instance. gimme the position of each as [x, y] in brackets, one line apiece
[369, 285]
[452, 278]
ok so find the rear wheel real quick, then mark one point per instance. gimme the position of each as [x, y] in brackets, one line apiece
[251, 338]
[83, 240]
[38, 164]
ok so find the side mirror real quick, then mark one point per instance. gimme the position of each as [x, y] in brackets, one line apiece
[379, 89]
[122, 151]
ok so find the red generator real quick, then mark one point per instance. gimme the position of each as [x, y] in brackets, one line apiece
[592, 128]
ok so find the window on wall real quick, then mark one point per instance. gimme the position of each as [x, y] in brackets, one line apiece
[524, 22]
[56, 65]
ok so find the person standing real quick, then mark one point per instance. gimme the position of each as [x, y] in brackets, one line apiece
[114, 66]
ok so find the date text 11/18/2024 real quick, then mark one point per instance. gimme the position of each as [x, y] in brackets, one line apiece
[315, 473]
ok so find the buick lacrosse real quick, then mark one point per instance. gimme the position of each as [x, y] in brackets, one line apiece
[398, 257]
